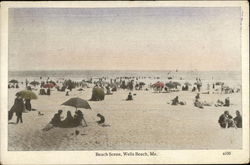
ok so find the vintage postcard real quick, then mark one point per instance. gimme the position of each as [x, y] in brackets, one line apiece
[124, 82]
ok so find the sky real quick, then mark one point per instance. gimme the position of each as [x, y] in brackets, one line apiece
[160, 38]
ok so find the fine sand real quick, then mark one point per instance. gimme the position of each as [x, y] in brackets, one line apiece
[147, 122]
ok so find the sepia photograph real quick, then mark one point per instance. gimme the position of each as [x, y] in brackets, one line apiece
[125, 81]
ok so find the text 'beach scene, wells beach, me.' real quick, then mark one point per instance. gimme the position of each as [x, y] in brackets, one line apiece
[124, 78]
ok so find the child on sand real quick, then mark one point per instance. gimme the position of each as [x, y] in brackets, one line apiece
[130, 97]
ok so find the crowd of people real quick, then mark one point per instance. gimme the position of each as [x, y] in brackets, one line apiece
[72, 121]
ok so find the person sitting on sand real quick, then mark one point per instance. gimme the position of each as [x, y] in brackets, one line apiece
[102, 119]
[56, 120]
[42, 92]
[219, 103]
[175, 101]
[197, 96]
[68, 121]
[114, 89]
[238, 120]
[78, 118]
[130, 97]
[227, 102]
[225, 120]
[198, 104]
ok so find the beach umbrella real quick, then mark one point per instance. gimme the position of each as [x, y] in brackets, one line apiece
[13, 81]
[219, 83]
[142, 83]
[27, 94]
[170, 85]
[77, 103]
[52, 82]
[34, 83]
[187, 84]
[176, 83]
[48, 85]
[158, 84]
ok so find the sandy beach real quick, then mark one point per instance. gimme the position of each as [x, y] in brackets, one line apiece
[147, 122]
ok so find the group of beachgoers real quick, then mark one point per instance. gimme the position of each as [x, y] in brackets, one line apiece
[227, 121]
[70, 121]
[45, 92]
[13, 86]
[200, 104]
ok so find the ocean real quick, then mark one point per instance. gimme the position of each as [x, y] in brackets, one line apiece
[229, 76]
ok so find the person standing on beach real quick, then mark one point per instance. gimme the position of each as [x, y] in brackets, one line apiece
[19, 109]
[227, 102]
[48, 91]
[208, 87]
[222, 87]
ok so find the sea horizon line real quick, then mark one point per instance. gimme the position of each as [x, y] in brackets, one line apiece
[134, 70]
